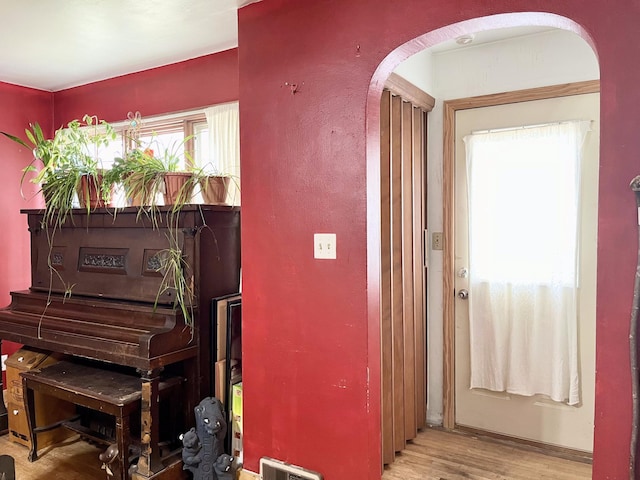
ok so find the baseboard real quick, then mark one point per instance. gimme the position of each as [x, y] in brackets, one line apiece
[247, 475]
[560, 452]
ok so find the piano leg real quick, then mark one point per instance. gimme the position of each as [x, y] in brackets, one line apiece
[4, 416]
[149, 462]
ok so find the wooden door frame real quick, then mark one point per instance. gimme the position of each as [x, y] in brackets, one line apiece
[450, 108]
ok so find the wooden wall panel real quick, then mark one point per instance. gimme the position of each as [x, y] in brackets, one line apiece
[388, 450]
[396, 273]
[406, 186]
[419, 192]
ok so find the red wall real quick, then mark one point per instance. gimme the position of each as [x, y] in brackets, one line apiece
[19, 106]
[310, 342]
[310, 162]
[196, 83]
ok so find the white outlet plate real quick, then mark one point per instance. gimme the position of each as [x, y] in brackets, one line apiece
[4, 360]
[324, 246]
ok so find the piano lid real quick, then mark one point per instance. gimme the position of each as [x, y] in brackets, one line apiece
[126, 333]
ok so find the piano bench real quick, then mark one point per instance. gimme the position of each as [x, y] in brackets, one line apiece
[110, 392]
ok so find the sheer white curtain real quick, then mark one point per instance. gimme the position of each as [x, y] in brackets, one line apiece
[524, 191]
[223, 122]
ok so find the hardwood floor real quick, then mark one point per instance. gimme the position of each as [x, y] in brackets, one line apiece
[71, 460]
[438, 455]
[433, 455]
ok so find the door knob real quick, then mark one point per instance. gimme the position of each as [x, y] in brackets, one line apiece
[463, 294]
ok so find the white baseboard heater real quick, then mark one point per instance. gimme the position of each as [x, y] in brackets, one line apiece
[271, 469]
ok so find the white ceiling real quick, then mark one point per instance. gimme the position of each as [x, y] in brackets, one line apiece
[489, 36]
[56, 44]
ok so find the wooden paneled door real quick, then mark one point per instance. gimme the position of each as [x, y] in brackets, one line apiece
[403, 285]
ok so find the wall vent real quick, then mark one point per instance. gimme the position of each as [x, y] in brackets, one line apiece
[271, 469]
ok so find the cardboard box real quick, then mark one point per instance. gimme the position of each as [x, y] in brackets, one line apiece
[48, 410]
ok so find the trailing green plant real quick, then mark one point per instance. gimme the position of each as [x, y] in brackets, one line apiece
[44, 151]
[214, 184]
[60, 162]
[81, 142]
[175, 277]
[140, 173]
[58, 166]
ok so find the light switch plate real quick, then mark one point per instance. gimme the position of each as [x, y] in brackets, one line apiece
[4, 361]
[324, 246]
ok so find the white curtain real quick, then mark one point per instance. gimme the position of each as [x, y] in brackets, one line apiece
[223, 122]
[524, 191]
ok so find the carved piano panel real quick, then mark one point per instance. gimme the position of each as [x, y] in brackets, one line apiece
[117, 255]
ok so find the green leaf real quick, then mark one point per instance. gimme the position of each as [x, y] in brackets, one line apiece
[16, 139]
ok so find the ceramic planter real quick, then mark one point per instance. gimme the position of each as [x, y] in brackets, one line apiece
[178, 188]
[214, 189]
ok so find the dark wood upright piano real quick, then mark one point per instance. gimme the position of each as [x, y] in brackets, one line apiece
[97, 293]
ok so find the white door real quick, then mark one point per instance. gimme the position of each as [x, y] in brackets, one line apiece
[536, 418]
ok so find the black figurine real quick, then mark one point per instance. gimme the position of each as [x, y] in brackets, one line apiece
[223, 467]
[203, 446]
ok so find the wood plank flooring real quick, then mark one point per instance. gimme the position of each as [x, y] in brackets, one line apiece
[438, 455]
[432, 455]
[74, 459]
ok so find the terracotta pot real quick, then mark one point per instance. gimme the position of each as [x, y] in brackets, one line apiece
[144, 194]
[215, 189]
[178, 187]
[89, 192]
[46, 194]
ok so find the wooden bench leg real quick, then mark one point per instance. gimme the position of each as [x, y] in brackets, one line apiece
[30, 408]
[123, 439]
[149, 462]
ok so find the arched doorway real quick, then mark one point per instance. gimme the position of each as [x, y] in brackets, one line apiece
[443, 269]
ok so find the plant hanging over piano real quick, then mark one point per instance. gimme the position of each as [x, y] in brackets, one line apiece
[176, 279]
[68, 165]
[60, 164]
[142, 171]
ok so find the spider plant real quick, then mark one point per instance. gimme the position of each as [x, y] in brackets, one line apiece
[214, 184]
[45, 153]
[76, 167]
[176, 278]
[140, 173]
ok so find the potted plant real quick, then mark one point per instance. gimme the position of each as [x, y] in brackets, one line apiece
[140, 173]
[147, 170]
[44, 151]
[214, 185]
[80, 143]
[69, 164]
[179, 178]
